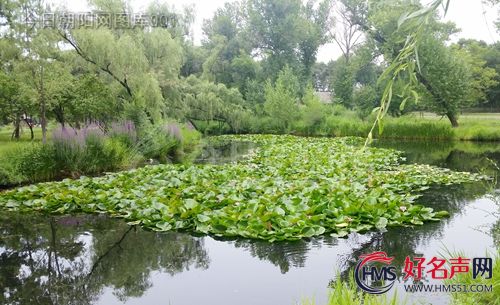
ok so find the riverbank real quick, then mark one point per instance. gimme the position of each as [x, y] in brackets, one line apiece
[472, 127]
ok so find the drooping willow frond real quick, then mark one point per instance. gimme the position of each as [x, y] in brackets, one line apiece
[406, 61]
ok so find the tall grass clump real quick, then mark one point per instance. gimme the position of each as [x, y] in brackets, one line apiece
[169, 142]
[347, 293]
[339, 126]
[89, 151]
[414, 129]
[477, 298]
[478, 133]
[27, 163]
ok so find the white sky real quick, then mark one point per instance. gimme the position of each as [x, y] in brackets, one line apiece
[475, 19]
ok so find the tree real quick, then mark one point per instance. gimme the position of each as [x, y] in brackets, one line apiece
[348, 32]
[402, 38]
[281, 99]
[322, 76]
[198, 100]
[484, 63]
[140, 61]
[288, 33]
[229, 61]
[343, 82]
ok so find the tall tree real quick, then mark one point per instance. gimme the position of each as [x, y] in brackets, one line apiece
[396, 40]
[288, 32]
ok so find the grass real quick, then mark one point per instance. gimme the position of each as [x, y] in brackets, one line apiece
[407, 128]
[90, 151]
[7, 144]
[415, 126]
[472, 126]
[485, 298]
[347, 293]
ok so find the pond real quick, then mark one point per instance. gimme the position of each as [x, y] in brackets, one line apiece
[98, 260]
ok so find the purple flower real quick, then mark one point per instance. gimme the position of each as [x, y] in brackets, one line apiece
[124, 128]
[76, 137]
[173, 130]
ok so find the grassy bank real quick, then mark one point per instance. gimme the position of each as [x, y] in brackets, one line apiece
[473, 127]
[91, 151]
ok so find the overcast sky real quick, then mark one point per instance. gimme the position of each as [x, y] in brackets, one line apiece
[471, 16]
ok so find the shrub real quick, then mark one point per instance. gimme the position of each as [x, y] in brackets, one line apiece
[168, 142]
[125, 132]
[189, 144]
[281, 100]
[36, 163]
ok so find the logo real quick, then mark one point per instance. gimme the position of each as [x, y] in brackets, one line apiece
[375, 274]
[373, 278]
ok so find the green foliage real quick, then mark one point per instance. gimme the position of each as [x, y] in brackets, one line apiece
[447, 77]
[314, 112]
[484, 298]
[288, 32]
[18, 163]
[281, 99]
[479, 128]
[290, 188]
[348, 293]
[343, 83]
[168, 142]
[484, 66]
[365, 99]
[200, 100]
[89, 151]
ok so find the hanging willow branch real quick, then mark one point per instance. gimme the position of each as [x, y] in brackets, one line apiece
[405, 63]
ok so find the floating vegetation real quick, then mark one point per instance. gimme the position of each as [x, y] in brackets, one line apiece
[289, 188]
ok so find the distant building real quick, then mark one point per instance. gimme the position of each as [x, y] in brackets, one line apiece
[324, 96]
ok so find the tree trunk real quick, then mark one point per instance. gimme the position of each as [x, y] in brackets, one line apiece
[453, 119]
[43, 118]
[29, 122]
[17, 127]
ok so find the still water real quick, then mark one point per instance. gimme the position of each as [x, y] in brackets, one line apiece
[96, 260]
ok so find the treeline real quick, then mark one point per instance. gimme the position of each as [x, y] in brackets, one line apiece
[256, 70]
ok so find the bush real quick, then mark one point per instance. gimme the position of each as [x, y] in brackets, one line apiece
[36, 163]
[169, 142]
[10, 173]
[281, 100]
[189, 145]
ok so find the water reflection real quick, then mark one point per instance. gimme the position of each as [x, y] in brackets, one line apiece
[225, 152]
[69, 260]
[97, 260]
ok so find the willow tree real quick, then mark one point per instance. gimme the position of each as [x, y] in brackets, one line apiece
[136, 62]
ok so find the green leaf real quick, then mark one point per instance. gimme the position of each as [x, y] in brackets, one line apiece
[163, 226]
[442, 214]
[190, 203]
[381, 223]
[403, 104]
[203, 218]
